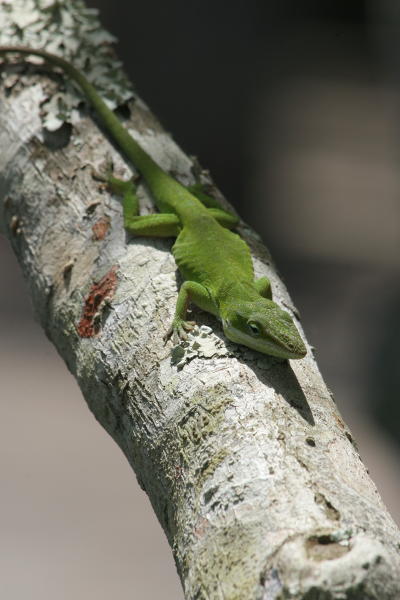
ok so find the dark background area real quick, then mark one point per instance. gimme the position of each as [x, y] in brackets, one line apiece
[293, 106]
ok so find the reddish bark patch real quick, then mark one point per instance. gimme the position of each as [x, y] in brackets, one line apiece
[101, 291]
[100, 228]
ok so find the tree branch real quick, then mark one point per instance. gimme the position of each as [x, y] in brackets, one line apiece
[250, 469]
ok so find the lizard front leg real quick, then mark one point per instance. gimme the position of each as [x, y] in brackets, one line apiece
[190, 291]
[155, 225]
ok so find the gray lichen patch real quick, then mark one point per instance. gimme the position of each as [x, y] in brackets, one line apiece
[200, 343]
[206, 471]
[201, 416]
[73, 31]
[228, 567]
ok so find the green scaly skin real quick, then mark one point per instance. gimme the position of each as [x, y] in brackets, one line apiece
[215, 262]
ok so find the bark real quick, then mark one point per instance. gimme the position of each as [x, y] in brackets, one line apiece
[248, 464]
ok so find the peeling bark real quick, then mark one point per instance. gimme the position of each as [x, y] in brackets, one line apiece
[250, 469]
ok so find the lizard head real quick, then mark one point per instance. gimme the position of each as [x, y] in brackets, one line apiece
[263, 326]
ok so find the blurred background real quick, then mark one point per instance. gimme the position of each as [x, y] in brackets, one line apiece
[294, 108]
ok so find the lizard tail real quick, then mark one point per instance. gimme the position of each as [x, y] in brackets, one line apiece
[140, 159]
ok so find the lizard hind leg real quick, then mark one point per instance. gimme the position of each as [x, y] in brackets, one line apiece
[154, 225]
[215, 209]
[263, 286]
[128, 191]
[119, 187]
[224, 218]
[198, 190]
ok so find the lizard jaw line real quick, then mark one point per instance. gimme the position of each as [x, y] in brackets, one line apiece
[261, 345]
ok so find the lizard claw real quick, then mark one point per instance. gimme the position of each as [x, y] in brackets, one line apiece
[178, 330]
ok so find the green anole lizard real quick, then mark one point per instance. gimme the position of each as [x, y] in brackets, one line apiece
[214, 262]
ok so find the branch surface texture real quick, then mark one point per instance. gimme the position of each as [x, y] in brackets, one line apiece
[250, 469]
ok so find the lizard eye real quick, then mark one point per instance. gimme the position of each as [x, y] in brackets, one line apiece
[254, 328]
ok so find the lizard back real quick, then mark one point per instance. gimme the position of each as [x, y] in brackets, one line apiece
[210, 254]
